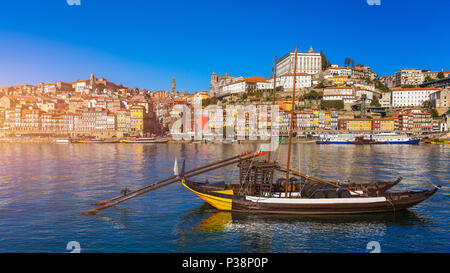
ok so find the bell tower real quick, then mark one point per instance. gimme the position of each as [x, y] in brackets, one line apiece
[174, 86]
[212, 85]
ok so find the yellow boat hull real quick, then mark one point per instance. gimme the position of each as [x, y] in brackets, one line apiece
[224, 204]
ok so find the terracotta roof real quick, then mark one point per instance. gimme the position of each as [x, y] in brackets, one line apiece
[339, 87]
[357, 119]
[296, 74]
[416, 89]
[255, 79]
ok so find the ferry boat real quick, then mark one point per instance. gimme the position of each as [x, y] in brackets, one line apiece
[381, 138]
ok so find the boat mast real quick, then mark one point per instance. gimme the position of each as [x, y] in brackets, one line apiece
[273, 102]
[292, 125]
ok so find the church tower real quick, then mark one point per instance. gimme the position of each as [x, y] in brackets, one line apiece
[212, 86]
[92, 81]
[174, 86]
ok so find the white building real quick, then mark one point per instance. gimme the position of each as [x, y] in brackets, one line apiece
[385, 100]
[335, 70]
[307, 62]
[251, 84]
[346, 94]
[303, 80]
[409, 76]
[407, 97]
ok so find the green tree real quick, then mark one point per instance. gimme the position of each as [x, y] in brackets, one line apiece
[428, 79]
[375, 102]
[380, 85]
[328, 104]
[209, 101]
[313, 95]
[325, 62]
[320, 85]
[347, 62]
[440, 75]
[434, 113]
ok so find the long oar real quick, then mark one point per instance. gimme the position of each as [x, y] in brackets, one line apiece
[128, 197]
[167, 179]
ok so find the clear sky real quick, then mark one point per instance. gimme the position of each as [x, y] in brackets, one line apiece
[145, 43]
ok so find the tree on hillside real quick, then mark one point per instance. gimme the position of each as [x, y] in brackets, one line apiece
[347, 62]
[320, 85]
[375, 102]
[210, 101]
[428, 79]
[440, 75]
[313, 95]
[328, 104]
[380, 85]
[434, 113]
[325, 62]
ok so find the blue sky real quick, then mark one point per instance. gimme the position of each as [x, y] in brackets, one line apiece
[145, 43]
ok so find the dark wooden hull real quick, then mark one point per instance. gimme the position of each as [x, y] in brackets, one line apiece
[373, 187]
[386, 202]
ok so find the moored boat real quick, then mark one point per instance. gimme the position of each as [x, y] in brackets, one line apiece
[381, 138]
[143, 140]
[91, 140]
[440, 142]
[305, 195]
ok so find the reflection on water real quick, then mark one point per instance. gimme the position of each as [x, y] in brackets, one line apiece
[43, 187]
[294, 233]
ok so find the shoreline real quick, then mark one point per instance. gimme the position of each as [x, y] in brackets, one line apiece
[170, 141]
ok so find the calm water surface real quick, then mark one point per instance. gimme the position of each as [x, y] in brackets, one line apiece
[44, 186]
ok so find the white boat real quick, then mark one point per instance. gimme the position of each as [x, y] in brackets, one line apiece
[380, 138]
[144, 140]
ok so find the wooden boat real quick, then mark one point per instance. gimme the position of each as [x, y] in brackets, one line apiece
[304, 196]
[440, 142]
[91, 140]
[144, 140]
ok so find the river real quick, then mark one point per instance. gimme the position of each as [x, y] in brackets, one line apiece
[44, 186]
